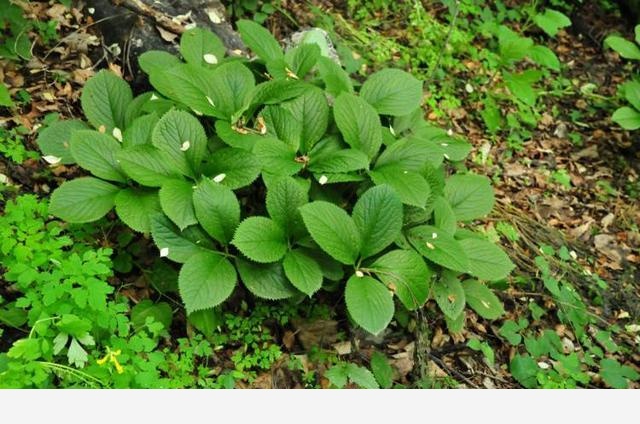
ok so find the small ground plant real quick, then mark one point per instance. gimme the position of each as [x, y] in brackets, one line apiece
[628, 117]
[277, 173]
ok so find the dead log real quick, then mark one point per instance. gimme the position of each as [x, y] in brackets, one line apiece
[132, 27]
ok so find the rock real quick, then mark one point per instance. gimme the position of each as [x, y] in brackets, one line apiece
[132, 27]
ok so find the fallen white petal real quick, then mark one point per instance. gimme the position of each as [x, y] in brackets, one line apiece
[210, 58]
[52, 159]
[185, 146]
[117, 134]
[359, 274]
[164, 252]
[323, 180]
[218, 178]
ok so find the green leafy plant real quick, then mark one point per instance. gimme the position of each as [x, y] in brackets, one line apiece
[549, 361]
[287, 177]
[628, 117]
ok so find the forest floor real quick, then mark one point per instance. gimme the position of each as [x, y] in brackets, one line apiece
[567, 188]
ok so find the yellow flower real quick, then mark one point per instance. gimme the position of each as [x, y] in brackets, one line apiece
[111, 356]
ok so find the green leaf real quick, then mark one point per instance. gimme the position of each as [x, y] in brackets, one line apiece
[302, 58]
[234, 168]
[277, 157]
[521, 85]
[378, 216]
[179, 246]
[206, 321]
[544, 56]
[412, 188]
[5, 97]
[147, 165]
[231, 90]
[510, 330]
[512, 47]
[369, 303]
[260, 239]
[616, 375]
[524, 369]
[438, 246]
[336, 80]
[637, 31]
[236, 139]
[104, 100]
[260, 41]
[341, 161]
[83, 200]
[362, 377]
[407, 154]
[436, 145]
[267, 281]
[405, 273]
[96, 153]
[154, 61]
[338, 375]
[303, 272]
[217, 210]
[283, 125]
[392, 92]
[137, 108]
[627, 118]
[333, 229]
[55, 139]
[160, 312]
[135, 207]
[623, 47]
[311, 111]
[470, 196]
[176, 199]
[277, 91]
[449, 295]
[201, 47]
[631, 90]
[456, 325]
[482, 300]
[550, 21]
[359, 123]
[140, 130]
[205, 281]
[382, 370]
[186, 84]
[76, 355]
[443, 216]
[283, 201]
[486, 260]
[181, 136]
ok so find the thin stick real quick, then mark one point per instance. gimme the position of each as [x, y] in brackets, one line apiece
[160, 18]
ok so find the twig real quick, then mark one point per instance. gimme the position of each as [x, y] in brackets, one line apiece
[160, 18]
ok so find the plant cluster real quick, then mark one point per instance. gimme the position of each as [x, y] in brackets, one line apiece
[510, 70]
[628, 117]
[276, 172]
[551, 361]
